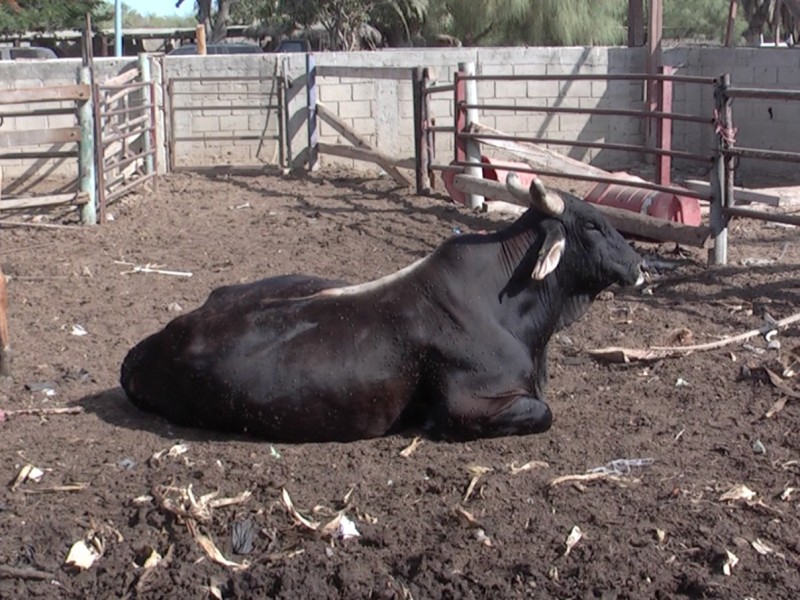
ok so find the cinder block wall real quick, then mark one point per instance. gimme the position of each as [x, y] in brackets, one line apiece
[381, 109]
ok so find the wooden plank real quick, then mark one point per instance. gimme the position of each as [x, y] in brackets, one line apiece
[45, 94]
[625, 221]
[364, 154]
[739, 194]
[372, 155]
[538, 156]
[35, 137]
[762, 216]
[76, 198]
[120, 79]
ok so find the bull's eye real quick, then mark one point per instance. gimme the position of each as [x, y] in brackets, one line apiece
[591, 226]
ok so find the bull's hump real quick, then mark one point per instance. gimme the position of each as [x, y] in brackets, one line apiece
[377, 284]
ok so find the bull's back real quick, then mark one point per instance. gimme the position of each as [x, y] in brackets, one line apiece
[293, 369]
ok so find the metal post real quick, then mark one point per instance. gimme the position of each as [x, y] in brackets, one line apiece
[719, 187]
[655, 30]
[664, 129]
[117, 27]
[472, 148]
[149, 100]
[88, 183]
[159, 101]
[311, 95]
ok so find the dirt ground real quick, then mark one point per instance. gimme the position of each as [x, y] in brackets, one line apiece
[656, 530]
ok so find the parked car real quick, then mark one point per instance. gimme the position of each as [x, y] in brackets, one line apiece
[233, 48]
[26, 53]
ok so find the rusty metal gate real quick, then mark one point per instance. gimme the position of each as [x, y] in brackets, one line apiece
[125, 117]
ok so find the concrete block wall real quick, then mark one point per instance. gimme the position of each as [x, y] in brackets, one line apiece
[220, 106]
[764, 124]
[379, 106]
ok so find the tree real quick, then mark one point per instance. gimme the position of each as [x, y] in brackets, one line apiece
[49, 15]
[215, 21]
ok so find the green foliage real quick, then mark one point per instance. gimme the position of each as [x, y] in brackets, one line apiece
[532, 22]
[695, 19]
[50, 15]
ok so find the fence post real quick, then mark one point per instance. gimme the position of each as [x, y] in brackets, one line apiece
[144, 69]
[421, 120]
[471, 148]
[160, 122]
[86, 156]
[664, 129]
[311, 97]
[721, 182]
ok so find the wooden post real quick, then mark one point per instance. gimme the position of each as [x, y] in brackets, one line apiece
[5, 345]
[313, 125]
[86, 156]
[664, 130]
[200, 34]
[720, 190]
[655, 30]
[635, 23]
[729, 41]
[149, 100]
[471, 147]
[421, 120]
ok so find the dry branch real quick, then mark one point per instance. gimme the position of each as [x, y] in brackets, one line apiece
[620, 354]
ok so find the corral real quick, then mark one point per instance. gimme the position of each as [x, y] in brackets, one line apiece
[659, 530]
[674, 438]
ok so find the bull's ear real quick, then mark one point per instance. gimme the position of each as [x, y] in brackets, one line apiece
[550, 253]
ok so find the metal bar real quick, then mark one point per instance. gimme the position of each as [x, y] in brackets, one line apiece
[312, 123]
[228, 107]
[440, 128]
[765, 154]
[149, 97]
[749, 213]
[472, 148]
[132, 86]
[124, 190]
[217, 79]
[599, 145]
[718, 218]
[99, 152]
[53, 154]
[225, 138]
[38, 112]
[561, 175]
[110, 166]
[435, 89]
[763, 93]
[281, 124]
[592, 76]
[127, 110]
[127, 134]
[420, 119]
[86, 158]
[642, 114]
[171, 127]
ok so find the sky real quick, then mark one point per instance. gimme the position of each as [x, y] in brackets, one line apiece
[161, 8]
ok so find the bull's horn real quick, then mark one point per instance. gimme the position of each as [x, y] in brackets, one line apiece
[516, 189]
[545, 201]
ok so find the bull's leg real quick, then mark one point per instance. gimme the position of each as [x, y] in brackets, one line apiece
[5, 347]
[471, 416]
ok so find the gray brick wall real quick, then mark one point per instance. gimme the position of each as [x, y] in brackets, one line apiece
[381, 108]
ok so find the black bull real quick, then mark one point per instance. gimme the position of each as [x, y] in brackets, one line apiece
[455, 343]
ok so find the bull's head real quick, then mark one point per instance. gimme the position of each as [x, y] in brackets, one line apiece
[578, 236]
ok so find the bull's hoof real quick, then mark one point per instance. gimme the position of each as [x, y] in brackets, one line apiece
[5, 362]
